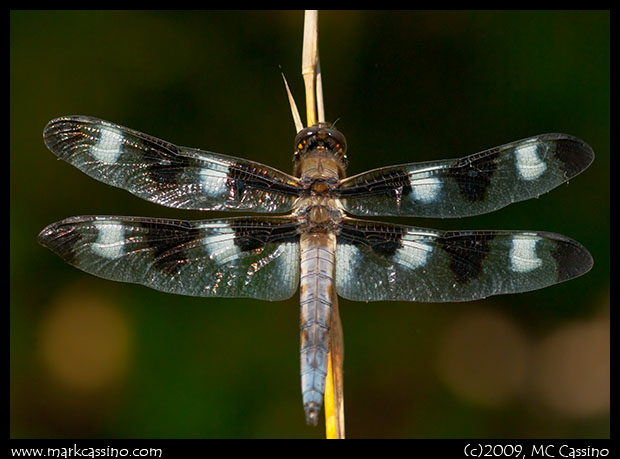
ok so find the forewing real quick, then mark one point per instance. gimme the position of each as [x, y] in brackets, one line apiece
[162, 172]
[380, 261]
[472, 185]
[234, 257]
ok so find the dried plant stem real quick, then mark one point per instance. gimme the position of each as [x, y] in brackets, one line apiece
[320, 108]
[296, 118]
[309, 62]
[315, 112]
[334, 396]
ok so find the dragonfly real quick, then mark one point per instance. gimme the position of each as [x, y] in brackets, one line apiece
[309, 238]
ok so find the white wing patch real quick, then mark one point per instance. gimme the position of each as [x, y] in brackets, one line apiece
[108, 147]
[110, 240]
[221, 248]
[424, 188]
[529, 164]
[523, 256]
[415, 253]
[212, 181]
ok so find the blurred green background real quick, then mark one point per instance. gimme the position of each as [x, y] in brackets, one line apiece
[93, 358]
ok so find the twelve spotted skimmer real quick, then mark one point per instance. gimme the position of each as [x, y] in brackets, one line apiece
[313, 243]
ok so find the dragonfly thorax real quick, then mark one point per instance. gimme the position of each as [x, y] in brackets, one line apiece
[319, 215]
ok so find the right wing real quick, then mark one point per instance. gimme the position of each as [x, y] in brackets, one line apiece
[384, 262]
[473, 185]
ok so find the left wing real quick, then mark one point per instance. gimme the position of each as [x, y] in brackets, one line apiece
[167, 174]
[233, 257]
[472, 185]
[381, 261]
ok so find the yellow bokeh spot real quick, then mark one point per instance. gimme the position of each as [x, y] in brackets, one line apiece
[483, 358]
[573, 375]
[84, 341]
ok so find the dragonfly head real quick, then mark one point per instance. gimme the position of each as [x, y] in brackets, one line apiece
[322, 140]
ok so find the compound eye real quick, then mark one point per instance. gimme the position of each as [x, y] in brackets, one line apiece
[340, 141]
[301, 140]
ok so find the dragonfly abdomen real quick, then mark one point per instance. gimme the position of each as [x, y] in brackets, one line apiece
[316, 287]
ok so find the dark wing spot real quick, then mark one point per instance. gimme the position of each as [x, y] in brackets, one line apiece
[392, 183]
[242, 176]
[575, 155]
[255, 234]
[165, 164]
[167, 243]
[383, 239]
[571, 258]
[62, 239]
[473, 174]
[467, 252]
